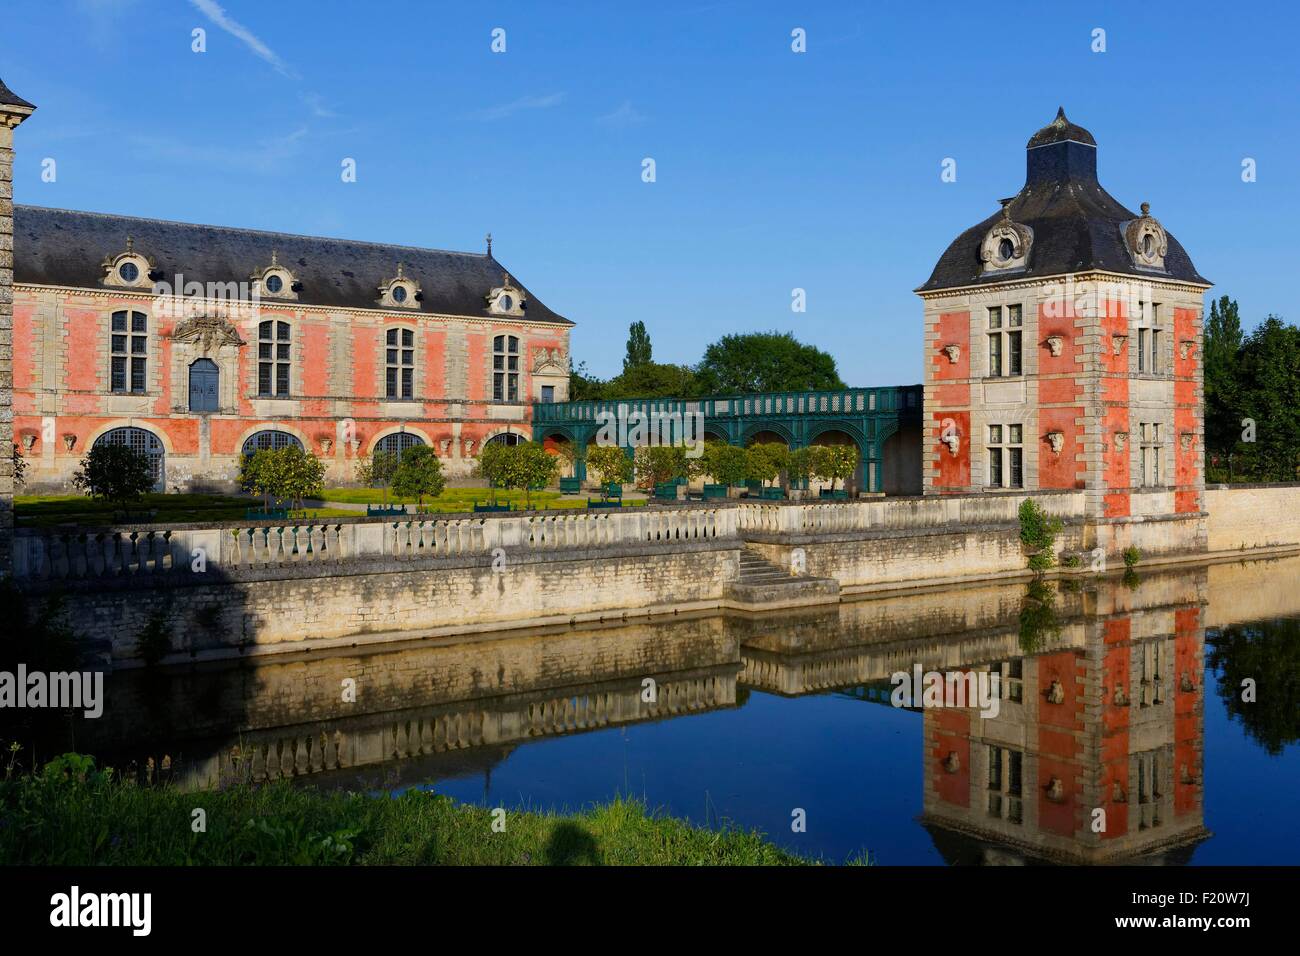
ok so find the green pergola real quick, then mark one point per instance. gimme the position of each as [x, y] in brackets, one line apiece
[867, 416]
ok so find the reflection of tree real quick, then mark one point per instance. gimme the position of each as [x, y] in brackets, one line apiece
[1267, 652]
[1038, 620]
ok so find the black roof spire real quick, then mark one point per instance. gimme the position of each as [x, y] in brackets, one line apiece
[9, 98]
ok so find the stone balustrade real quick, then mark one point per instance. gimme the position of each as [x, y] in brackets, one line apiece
[70, 554]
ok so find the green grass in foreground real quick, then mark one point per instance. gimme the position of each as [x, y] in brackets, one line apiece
[43, 511]
[72, 815]
[463, 499]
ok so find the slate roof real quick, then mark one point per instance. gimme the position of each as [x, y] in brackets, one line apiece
[9, 98]
[1077, 225]
[62, 247]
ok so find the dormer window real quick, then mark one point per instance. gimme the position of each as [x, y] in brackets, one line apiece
[1006, 245]
[1147, 241]
[506, 299]
[275, 281]
[127, 269]
[400, 292]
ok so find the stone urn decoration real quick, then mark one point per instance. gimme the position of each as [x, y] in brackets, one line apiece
[29, 441]
[469, 448]
[1056, 440]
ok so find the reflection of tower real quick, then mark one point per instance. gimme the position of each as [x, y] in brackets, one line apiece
[1110, 732]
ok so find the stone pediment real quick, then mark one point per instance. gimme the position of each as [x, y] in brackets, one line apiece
[207, 332]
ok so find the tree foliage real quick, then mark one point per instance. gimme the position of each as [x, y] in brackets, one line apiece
[115, 473]
[610, 464]
[656, 464]
[766, 362]
[418, 475]
[725, 464]
[639, 350]
[378, 471]
[1268, 654]
[833, 463]
[285, 475]
[766, 461]
[524, 467]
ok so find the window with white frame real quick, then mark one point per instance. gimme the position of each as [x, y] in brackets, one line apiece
[1149, 450]
[1006, 456]
[1004, 786]
[1004, 334]
[1150, 680]
[129, 352]
[273, 359]
[1150, 338]
[505, 368]
[1150, 766]
[399, 363]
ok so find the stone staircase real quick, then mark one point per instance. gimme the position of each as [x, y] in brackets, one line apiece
[764, 585]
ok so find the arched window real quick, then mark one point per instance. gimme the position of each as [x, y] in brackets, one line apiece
[145, 442]
[129, 352]
[204, 378]
[272, 359]
[398, 442]
[505, 438]
[399, 363]
[271, 439]
[505, 368]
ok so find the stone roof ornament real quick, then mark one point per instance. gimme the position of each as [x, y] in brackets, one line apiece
[488, 237]
[506, 299]
[400, 292]
[1147, 241]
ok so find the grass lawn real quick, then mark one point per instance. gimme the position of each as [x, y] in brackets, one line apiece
[462, 499]
[50, 510]
[73, 815]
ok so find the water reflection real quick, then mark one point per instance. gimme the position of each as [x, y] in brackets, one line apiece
[1096, 754]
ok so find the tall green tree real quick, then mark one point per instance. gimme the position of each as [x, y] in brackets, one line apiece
[638, 346]
[1269, 382]
[418, 475]
[766, 362]
[1223, 343]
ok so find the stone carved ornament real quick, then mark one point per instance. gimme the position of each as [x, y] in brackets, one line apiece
[1117, 343]
[69, 440]
[1185, 348]
[1121, 439]
[543, 357]
[1007, 244]
[1054, 345]
[1057, 441]
[1185, 440]
[953, 352]
[207, 332]
[1147, 241]
[953, 441]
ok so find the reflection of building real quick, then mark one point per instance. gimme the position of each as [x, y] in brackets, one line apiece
[1095, 756]
[197, 343]
[1063, 346]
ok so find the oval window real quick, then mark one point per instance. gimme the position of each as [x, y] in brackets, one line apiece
[506, 303]
[399, 293]
[1148, 245]
[1006, 250]
[274, 283]
[129, 271]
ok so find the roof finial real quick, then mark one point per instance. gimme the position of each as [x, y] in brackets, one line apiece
[1146, 209]
[489, 243]
[505, 280]
[1060, 117]
[275, 257]
[130, 244]
[399, 271]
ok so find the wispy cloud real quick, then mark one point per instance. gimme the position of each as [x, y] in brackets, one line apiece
[266, 156]
[625, 115]
[214, 12]
[316, 104]
[523, 103]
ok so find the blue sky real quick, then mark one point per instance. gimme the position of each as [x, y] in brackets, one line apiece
[775, 170]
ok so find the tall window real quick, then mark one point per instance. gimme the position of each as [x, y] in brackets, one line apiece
[505, 368]
[145, 442]
[399, 363]
[1004, 340]
[1149, 770]
[129, 352]
[1004, 786]
[1006, 456]
[1150, 679]
[1149, 448]
[1149, 338]
[273, 358]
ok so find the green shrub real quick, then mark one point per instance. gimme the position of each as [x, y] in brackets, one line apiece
[1038, 532]
[1131, 557]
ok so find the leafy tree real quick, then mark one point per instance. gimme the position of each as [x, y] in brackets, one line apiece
[296, 474]
[378, 471]
[418, 475]
[583, 386]
[495, 464]
[610, 464]
[256, 475]
[653, 380]
[115, 473]
[725, 464]
[766, 461]
[1269, 379]
[638, 346]
[798, 466]
[1222, 343]
[537, 467]
[833, 462]
[766, 362]
[656, 464]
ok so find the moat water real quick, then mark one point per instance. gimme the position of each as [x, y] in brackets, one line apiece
[1123, 696]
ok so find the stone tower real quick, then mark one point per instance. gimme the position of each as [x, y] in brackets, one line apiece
[13, 110]
[1063, 349]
